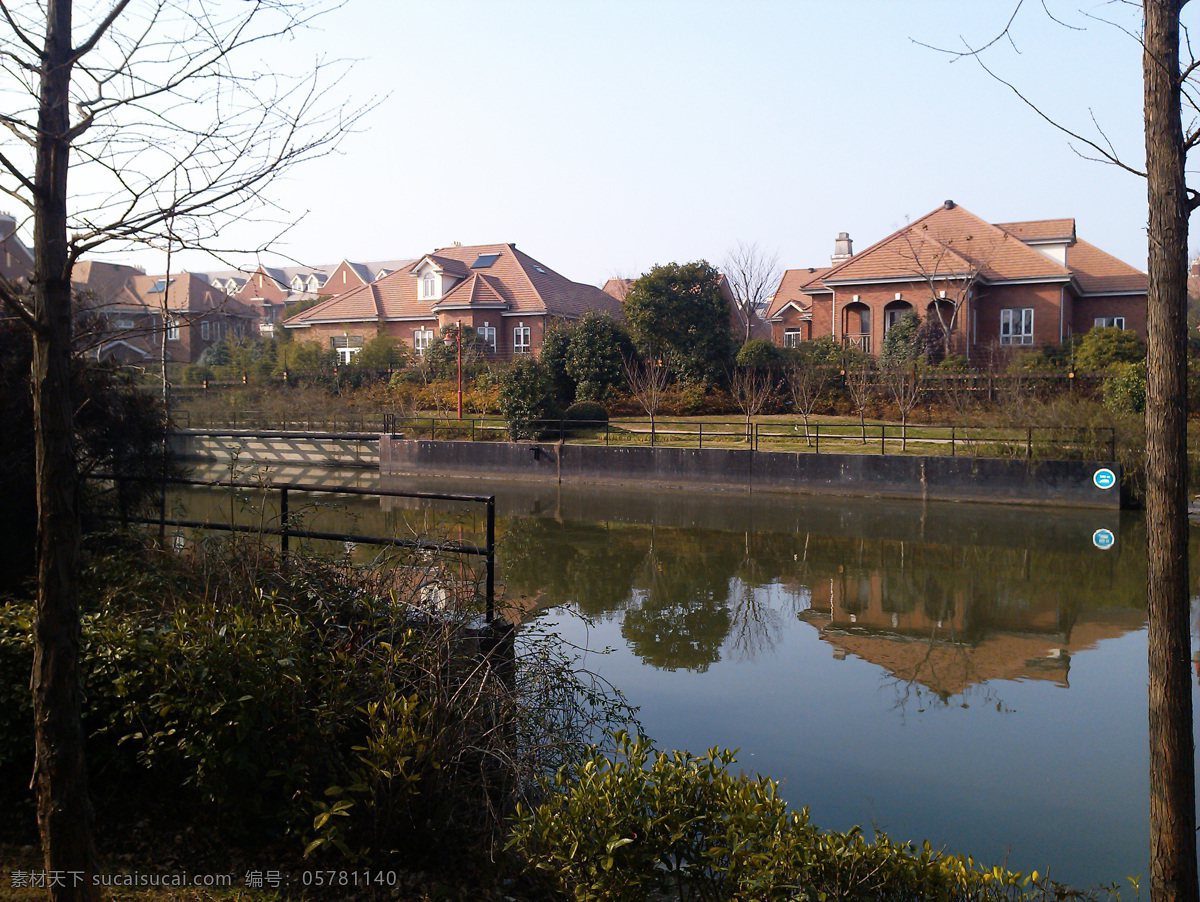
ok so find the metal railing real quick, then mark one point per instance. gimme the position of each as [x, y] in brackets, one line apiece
[286, 530]
[818, 436]
[976, 441]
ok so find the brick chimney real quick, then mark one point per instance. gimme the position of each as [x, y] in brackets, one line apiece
[843, 249]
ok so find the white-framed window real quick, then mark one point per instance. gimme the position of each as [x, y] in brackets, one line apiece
[427, 285]
[204, 331]
[487, 335]
[1016, 326]
[521, 343]
[172, 329]
[1103, 322]
[791, 338]
[346, 346]
[123, 324]
[422, 339]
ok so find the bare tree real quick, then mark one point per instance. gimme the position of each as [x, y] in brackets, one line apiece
[858, 384]
[752, 388]
[806, 382]
[752, 277]
[1171, 83]
[132, 101]
[648, 381]
[948, 271]
[906, 382]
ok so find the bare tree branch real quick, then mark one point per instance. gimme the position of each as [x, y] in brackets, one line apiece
[752, 277]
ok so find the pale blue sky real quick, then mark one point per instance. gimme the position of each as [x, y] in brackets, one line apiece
[605, 137]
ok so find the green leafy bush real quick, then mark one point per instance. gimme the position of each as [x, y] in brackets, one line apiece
[1125, 389]
[901, 343]
[556, 344]
[645, 822]
[596, 353]
[327, 703]
[1104, 348]
[586, 412]
[527, 395]
[758, 352]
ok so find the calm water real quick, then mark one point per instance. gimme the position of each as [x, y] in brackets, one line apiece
[973, 675]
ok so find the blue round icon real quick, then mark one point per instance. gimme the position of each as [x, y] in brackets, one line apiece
[1104, 478]
[1104, 538]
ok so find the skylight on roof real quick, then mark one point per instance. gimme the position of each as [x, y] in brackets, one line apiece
[483, 261]
[538, 268]
[160, 285]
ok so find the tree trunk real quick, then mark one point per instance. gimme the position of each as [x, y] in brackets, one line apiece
[60, 773]
[1172, 787]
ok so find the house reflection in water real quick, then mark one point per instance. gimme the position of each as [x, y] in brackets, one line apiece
[940, 632]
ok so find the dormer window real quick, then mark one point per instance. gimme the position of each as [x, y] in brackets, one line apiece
[428, 283]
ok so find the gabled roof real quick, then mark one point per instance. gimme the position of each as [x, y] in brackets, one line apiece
[446, 264]
[949, 242]
[187, 293]
[113, 286]
[617, 288]
[476, 291]
[792, 287]
[515, 280]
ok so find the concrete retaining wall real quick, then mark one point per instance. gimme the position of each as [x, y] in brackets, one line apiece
[1052, 482]
[280, 448]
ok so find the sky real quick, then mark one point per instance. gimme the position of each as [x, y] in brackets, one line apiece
[606, 136]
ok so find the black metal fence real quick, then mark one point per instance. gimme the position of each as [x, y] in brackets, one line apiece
[287, 529]
[818, 436]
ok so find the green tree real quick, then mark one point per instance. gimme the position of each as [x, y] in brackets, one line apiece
[306, 359]
[383, 352]
[556, 344]
[677, 311]
[1103, 348]
[758, 353]
[527, 395]
[596, 354]
[902, 344]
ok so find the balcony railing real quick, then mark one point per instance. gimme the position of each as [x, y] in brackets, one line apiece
[860, 340]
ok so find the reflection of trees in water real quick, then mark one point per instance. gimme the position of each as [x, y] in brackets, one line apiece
[755, 626]
[588, 565]
[687, 592]
[682, 616]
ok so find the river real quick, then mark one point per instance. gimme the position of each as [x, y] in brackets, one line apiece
[970, 674]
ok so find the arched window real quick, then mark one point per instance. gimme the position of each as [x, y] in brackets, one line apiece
[893, 312]
[427, 285]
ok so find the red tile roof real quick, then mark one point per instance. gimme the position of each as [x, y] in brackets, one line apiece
[115, 286]
[515, 280]
[1097, 272]
[949, 242]
[792, 285]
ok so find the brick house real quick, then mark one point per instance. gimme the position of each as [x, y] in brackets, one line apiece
[268, 290]
[126, 308]
[504, 294]
[992, 287]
